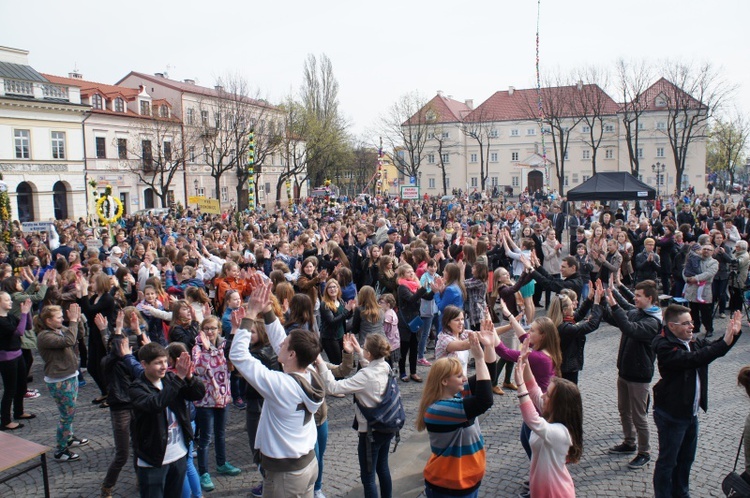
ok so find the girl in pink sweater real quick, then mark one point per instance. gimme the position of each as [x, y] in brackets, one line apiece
[557, 435]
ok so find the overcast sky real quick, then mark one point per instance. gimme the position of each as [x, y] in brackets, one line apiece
[380, 50]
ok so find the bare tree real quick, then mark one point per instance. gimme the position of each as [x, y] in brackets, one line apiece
[633, 79]
[363, 166]
[405, 128]
[595, 106]
[155, 153]
[478, 127]
[690, 97]
[445, 147]
[293, 148]
[727, 144]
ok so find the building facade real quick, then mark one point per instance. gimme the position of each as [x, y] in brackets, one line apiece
[503, 141]
[41, 142]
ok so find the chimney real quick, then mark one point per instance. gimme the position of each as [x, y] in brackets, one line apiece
[159, 75]
[579, 85]
[75, 75]
[469, 103]
[450, 97]
[219, 88]
[440, 93]
[511, 89]
[190, 82]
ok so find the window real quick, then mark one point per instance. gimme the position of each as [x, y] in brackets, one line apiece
[23, 144]
[494, 181]
[493, 157]
[163, 111]
[566, 180]
[201, 191]
[514, 181]
[586, 154]
[546, 130]
[514, 156]
[446, 134]
[430, 136]
[585, 177]
[639, 152]
[431, 158]
[122, 148]
[660, 152]
[205, 154]
[473, 181]
[530, 132]
[191, 153]
[661, 125]
[224, 194]
[447, 182]
[514, 132]
[609, 154]
[431, 182]
[190, 116]
[147, 154]
[575, 177]
[641, 126]
[473, 158]
[119, 105]
[101, 148]
[565, 156]
[586, 129]
[167, 151]
[58, 145]
[493, 134]
[145, 108]
[96, 101]
[446, 158]
[217, 120]
[609, 128]
[204, 118]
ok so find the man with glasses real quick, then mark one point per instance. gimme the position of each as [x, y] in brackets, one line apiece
[683, 389]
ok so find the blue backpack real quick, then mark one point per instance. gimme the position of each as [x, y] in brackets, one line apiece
[387, 417]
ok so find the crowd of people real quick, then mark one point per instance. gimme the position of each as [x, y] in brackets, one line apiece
[177, 318]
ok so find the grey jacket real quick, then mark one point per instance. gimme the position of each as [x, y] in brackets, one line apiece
[709, 267]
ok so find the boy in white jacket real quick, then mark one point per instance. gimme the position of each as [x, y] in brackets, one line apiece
[286, 432]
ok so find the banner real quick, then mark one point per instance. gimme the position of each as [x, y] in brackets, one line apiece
[36, 226]
[409, 192]
[209, 206]
[195, 199]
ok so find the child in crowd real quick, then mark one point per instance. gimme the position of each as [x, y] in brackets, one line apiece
[390, 327]
[693, 268]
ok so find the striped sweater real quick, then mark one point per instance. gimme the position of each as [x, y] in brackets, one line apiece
[457, 464]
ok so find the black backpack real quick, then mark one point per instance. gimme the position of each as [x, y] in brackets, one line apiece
[388, 417]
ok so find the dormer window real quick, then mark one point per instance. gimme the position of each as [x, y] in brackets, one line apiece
[660, 101]
[96, 101]
[119, 105]
[145, 108]
[163, 111]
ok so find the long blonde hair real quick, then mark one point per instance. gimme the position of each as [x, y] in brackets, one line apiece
[453, 275]
[433, 387]
[333, 304]
[368, 304]
[557, 309]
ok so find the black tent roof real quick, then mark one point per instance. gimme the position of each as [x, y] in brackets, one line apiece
[611, 186]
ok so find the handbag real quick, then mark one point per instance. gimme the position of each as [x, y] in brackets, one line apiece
[733, 484]
[414, 324]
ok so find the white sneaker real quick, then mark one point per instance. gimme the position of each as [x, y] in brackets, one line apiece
[319, 494]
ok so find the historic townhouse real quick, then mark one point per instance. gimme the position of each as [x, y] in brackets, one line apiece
[41, 143]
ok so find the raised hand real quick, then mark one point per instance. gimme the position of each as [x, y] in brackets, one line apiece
[101, 322]
[351, 305]
[74, 313]
[123, 347]
[610, 298]
[120, 320]
[26, 306]
[477, 351]
[487, 332]
[184, 366]
[237, 317]
[204, 340]
[206, 310]
[259, 299]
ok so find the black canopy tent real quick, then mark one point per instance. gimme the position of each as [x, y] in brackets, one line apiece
[611, 186]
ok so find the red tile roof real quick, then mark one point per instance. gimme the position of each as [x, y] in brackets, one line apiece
[445, 109]
[673, 94]
[191, 88]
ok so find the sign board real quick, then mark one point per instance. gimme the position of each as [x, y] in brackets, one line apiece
[93, 243]
[36, 226]
[642, 194]
[209, 206]
[409, 192]
[195, 199]
[413, 180]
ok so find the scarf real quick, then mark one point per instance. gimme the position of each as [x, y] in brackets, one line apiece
[410, 284]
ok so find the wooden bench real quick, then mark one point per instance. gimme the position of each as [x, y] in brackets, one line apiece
[15, 451]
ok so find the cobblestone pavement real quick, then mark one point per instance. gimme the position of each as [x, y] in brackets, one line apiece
[598, 473]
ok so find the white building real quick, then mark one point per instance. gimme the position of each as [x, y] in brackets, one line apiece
[41, 142]
[516, 152]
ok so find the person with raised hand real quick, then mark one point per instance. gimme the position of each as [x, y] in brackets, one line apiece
[556, 421]
[287, 433]
[681, 392]
[448, 410]
[12, 365]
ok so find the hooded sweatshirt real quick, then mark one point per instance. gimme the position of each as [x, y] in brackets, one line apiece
[286, 431]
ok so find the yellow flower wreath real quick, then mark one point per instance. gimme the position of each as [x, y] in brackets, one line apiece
[103, 216]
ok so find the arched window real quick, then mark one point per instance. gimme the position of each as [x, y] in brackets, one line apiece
[119, 105]
[25, 202]
[96, 101]
[60, 200]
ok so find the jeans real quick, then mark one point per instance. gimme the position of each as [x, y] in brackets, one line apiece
[379, 449]
[162, 482]
[252, 419]
[410, 348]
[702, 314]
[211, 422]
[431, 493]
[121, 420]
[65, 394]
[424, 334]
[584, 292]
[525, 435]
[320, 449]
[719, 292]
[13, 373]
[237, 384]
[191, 486]
[678, 439]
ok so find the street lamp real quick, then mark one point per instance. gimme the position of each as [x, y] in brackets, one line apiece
[659, 169]
[195, 184]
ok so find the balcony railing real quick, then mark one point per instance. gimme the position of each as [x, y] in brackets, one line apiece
[55, 92]
[17, 87]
